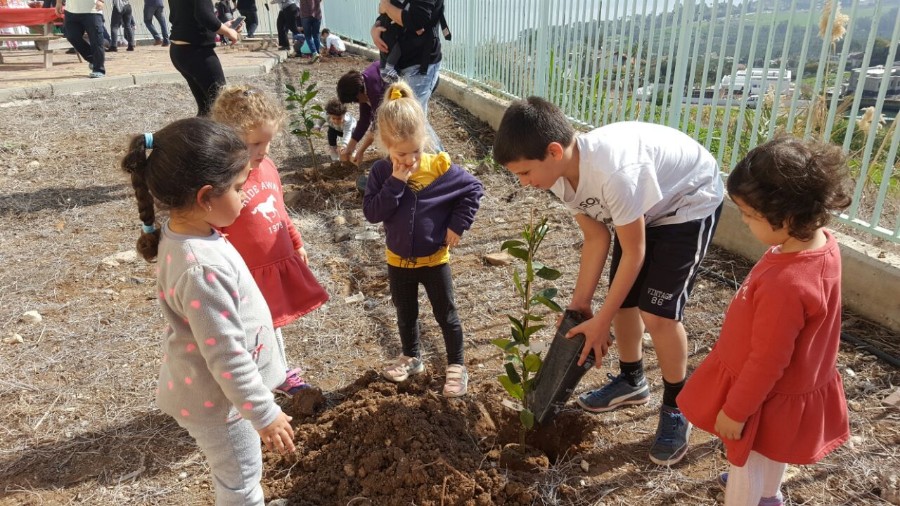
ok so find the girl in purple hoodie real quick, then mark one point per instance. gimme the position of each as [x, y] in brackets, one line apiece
[426, 204]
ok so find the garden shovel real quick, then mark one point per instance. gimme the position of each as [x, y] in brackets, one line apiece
[560, 372]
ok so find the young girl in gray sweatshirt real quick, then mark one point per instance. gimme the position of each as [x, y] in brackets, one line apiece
[220, 354]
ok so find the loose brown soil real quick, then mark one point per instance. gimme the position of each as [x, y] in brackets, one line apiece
[76, 396]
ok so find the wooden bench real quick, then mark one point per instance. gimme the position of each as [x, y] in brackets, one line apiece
[45, 43]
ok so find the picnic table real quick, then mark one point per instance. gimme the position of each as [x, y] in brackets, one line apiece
[44, 18]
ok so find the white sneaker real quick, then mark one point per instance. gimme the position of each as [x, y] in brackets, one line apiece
[457, 382]
[402, 367]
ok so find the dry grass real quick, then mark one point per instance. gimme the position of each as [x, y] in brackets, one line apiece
[76, 397]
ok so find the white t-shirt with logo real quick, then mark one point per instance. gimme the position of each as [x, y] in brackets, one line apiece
[633, 169]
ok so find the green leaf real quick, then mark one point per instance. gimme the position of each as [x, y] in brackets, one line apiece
[519, 253]
[552, 305]
[547, 273]
[532, 362]
[516, 334]
[514, 390]
[518, 282]
[501, 343]
[290, 107]
[291, 88]
[305, 76]
[511, 244]
[310, 88]
[527, 419]
[534, 317]
[547, 293]
[534, 328]
[512, 373]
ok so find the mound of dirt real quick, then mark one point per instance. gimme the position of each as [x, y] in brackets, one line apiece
[384, 443]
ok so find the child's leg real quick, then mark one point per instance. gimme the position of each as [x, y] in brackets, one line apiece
[333, 135]
[773, 475]
[404, 285]
[439, 288]
[235, 461]
[747, 485]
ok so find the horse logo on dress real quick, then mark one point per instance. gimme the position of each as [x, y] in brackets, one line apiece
[267, 209]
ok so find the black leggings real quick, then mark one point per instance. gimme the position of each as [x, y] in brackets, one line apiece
[202, 70]
[439, 288]
[333, 135]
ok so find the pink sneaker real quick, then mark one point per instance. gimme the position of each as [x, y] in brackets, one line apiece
[293, 383]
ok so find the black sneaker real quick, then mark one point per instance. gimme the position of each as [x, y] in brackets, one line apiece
[615, 394]
[672, 434]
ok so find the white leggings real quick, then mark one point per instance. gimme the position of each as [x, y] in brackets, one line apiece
[759, 477]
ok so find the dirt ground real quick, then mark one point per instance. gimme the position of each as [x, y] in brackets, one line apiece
[79, 424]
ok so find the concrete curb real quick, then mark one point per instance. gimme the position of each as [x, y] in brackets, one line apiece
[870, 275]
[83, 84]
[10, 94]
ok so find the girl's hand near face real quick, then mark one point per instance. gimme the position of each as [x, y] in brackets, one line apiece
[402, 172]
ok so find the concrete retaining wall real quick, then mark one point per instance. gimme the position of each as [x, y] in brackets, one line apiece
[871, 277]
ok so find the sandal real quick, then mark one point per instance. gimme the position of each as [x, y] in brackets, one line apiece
[457, 382]
[402, 368]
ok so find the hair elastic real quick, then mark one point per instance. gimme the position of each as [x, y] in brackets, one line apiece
[148, 229]
[148, 140]
[396, 93]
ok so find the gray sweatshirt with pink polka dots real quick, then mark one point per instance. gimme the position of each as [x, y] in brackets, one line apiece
[220, 355]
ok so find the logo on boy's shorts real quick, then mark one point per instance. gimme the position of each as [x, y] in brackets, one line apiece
[594, 208]
[658, 297]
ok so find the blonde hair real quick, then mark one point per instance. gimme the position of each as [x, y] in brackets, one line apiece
[400, 116]
[245, 107]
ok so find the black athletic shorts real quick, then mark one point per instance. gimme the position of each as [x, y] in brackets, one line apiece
[673, 254]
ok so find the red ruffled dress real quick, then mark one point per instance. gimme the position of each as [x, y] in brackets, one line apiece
[268, 241]
[773, 366]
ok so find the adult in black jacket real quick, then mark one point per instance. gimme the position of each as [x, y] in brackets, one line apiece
[249, 10]
[420, 47]
[193, 50]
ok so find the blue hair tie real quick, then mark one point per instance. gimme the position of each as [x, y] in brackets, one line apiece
[148, 140]
[148, 229]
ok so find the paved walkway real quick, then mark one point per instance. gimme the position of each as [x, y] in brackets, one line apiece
[23, 73]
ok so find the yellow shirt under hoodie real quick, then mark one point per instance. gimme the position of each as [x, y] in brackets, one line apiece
[431, 167]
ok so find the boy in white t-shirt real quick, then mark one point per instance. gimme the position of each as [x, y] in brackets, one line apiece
[661, 192]
[332, 45]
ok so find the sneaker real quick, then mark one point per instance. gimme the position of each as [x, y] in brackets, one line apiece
[293, 383]
[672, 433]
[315, 58]
[130, 48]
[722, 481]
[95, 75]
[402, 367]
[617, 393]
[457, 382]
[165, 44]
[157, 42]
[389, 75]
[112, 49]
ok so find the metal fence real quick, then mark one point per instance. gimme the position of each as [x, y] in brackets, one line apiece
[732, 74]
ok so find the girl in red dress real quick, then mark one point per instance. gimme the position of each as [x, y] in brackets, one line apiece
[263, 233]
[769, 388]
